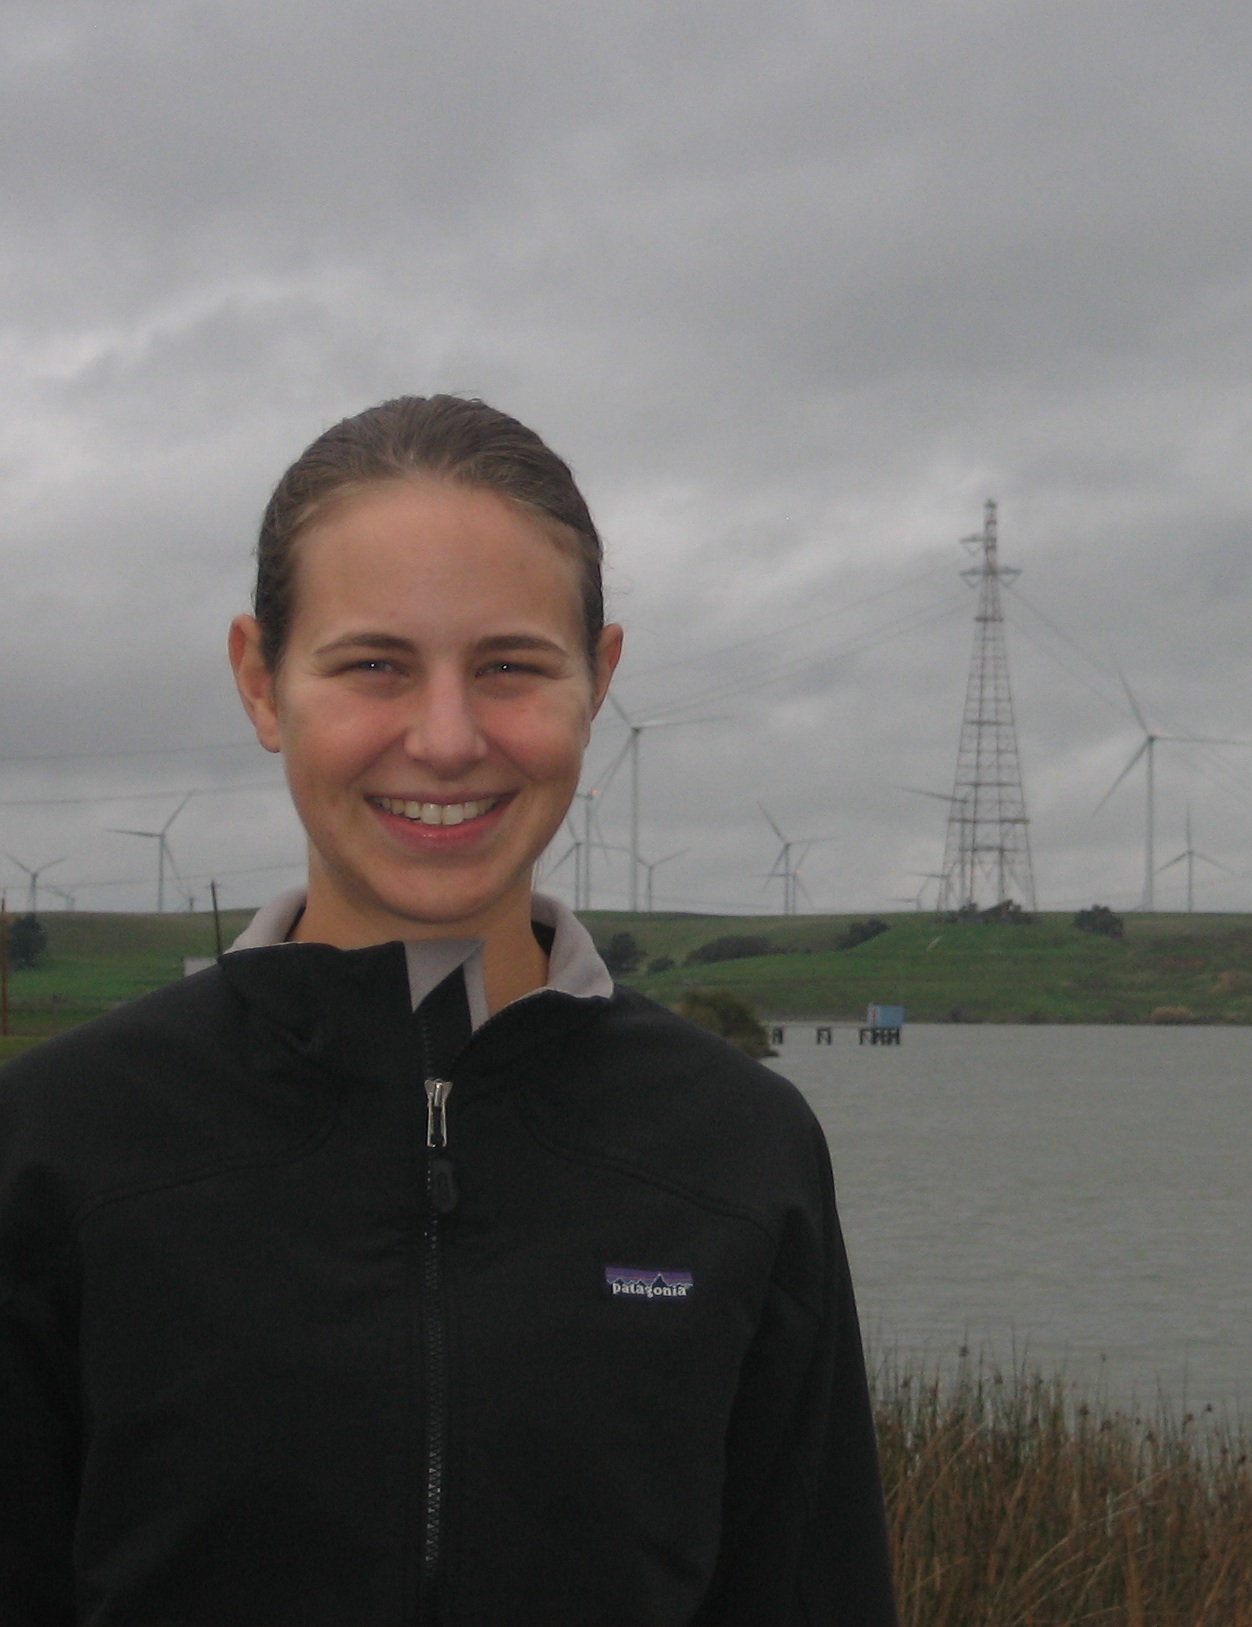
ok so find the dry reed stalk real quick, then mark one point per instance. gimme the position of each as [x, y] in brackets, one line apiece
[1014, 1502]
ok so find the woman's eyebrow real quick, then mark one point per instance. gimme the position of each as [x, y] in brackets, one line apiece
[390, 642]
[518, 641]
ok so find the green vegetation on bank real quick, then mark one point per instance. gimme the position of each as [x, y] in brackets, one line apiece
[1011, 1498]
[1183, 968]
[1164, 968]
[92, 962]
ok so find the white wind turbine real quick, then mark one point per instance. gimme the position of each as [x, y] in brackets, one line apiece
[1191, 854]
[161, 838]
[32, 890]
[655, 865]
[632, 747]
[784, 867]
[1147, 751]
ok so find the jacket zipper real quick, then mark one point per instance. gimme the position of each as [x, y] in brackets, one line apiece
[441, 1198]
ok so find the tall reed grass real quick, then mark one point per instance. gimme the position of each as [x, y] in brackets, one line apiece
[1015, 1501]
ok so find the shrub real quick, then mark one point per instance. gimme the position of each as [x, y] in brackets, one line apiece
[1007, 912]
[1101, 920]
[27, 941]
[622, 954]
[726, 1014]
[662, 963]
[861, 932]
[734, 946]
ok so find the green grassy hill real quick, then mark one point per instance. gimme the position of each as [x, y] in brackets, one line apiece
[1201, 965]
[943, 971]
[95, 961]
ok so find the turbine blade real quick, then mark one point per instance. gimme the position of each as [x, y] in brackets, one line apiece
[1134, 704]
[772, 825]
[939, 796]
[1217, 864]
[176, 812]
[1143, 748]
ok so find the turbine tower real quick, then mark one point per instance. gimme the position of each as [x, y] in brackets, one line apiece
[986, 858]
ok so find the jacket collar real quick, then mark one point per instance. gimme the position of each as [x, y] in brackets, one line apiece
[350, 1005]
[574, 963]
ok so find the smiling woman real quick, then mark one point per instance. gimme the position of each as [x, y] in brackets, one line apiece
[432, 702]
[399, 1268]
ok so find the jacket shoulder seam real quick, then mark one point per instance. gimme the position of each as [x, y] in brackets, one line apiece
[621, 1166]
[123, 1194]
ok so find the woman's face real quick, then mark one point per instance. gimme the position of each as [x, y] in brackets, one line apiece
[432, 707]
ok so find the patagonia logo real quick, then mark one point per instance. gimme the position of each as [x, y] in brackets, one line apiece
[647, 1282]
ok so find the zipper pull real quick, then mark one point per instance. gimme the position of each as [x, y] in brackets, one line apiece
[442, 1182]
[436, 1119]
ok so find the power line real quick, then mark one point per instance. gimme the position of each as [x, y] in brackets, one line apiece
[141, 796]
[137, 751]
[780, 632]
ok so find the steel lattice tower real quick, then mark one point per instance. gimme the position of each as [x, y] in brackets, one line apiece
[987, 856]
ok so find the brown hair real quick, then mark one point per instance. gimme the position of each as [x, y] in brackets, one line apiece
[448, 437]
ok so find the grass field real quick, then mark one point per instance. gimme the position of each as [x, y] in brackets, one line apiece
[1199, 967]
[94, 962]
[943, 971]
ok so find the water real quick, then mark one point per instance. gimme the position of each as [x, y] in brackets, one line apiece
[1080, 1196]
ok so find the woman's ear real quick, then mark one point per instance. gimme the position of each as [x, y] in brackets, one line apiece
[254, 680]
[608, 654]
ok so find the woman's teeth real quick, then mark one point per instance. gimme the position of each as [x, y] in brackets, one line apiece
[436, 813]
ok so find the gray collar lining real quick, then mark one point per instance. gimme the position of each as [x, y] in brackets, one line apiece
[574, 963]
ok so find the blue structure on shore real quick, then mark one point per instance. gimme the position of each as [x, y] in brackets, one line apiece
[883, 1025]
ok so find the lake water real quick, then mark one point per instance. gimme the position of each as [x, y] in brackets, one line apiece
[1082, 1196]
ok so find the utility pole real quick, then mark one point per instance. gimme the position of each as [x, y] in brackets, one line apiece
[217, 919]
[4, 965]
[987, 853]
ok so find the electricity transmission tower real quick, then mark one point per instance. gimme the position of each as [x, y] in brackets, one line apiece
[987, 855]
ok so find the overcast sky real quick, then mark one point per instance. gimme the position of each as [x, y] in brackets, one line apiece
[794, 287]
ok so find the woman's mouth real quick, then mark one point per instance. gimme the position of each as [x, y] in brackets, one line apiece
[436, 813]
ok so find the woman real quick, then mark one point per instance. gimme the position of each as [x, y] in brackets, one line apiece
[399, 1268]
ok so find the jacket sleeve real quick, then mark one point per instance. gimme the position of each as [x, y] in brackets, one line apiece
[40, 1429]
[804, 1540]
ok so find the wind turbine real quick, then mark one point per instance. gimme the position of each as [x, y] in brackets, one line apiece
[656, 863]
[1191, 854]
[632, 746]
[1147, 751]
[161, 838]
[965, 891]
[788, 873]
[32, 891]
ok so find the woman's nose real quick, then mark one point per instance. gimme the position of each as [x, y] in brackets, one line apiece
[444, 731]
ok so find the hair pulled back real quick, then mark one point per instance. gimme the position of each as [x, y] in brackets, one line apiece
[447, 437]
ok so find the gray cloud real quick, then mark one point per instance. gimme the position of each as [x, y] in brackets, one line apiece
[794, 293]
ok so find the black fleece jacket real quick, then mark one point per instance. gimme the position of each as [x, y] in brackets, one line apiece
[268, 1359]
